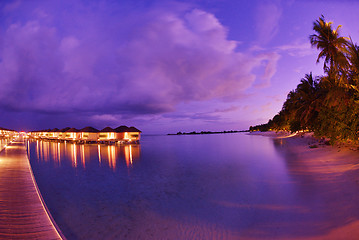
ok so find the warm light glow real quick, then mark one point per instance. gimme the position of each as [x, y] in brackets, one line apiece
[58, 153]
[111, 153]
[130, 147]
[54, 153]
[83, 160]
[128, 155]
[99, 153]
[46, 151]
[74, 155]
[37, 149]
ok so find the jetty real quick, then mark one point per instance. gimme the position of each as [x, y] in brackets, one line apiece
[23, 213]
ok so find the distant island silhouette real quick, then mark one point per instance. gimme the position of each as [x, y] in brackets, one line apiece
[206, 132]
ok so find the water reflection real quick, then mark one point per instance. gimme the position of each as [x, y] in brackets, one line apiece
[227, 186]
[80, 155]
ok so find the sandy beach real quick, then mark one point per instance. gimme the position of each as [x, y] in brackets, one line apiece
[325, 164]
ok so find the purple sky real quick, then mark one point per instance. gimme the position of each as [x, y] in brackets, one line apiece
[162, 66]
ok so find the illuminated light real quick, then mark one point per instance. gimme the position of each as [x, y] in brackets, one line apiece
[83, 155]
[54, 152]
[99, 153]
[131, 154]
[47, 151]
[126, 136]
[109, 156]
[58, 153]
[113, 156]
[41, 151]
[74, 155]
[37, 149]
[128, 156]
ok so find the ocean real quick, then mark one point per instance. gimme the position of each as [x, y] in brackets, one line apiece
[220, 186]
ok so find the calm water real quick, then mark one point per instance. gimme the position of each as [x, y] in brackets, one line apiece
[224, 186]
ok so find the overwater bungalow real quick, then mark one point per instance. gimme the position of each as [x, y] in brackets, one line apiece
[134, 134]
[53, 134]
[89, 134]
[43, 134]
[108, 134]
[72, 134]
[62, 133]
[128, 134]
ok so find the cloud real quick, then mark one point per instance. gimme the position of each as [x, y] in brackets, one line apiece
[109, 59]
[229, 109]
[297, 49]
[11, 6]
[203, 116]
[267, 20]
[270, 62]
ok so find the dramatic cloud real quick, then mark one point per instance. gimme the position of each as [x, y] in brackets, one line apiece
[107, 59]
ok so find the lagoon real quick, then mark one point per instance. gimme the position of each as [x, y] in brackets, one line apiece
[221, 186]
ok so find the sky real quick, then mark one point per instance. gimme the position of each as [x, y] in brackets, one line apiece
[161, 66]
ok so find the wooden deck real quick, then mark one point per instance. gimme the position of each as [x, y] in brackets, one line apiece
[22, 212]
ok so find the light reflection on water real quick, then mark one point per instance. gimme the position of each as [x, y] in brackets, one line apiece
[80, 154]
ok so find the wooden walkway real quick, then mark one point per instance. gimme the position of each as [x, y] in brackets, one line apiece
[22, 212]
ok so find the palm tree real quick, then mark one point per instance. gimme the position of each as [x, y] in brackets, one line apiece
[353, 59]
[330, 44]
[308, 92]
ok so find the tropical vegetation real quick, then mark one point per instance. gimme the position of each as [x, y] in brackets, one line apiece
[327, 105]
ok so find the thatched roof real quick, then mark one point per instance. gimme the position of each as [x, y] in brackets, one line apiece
[108, 129]
[133, 129]
[122, 128]
[45, 130]
[89, 129]
[72, 130]
[64, 129]
[6, 129]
